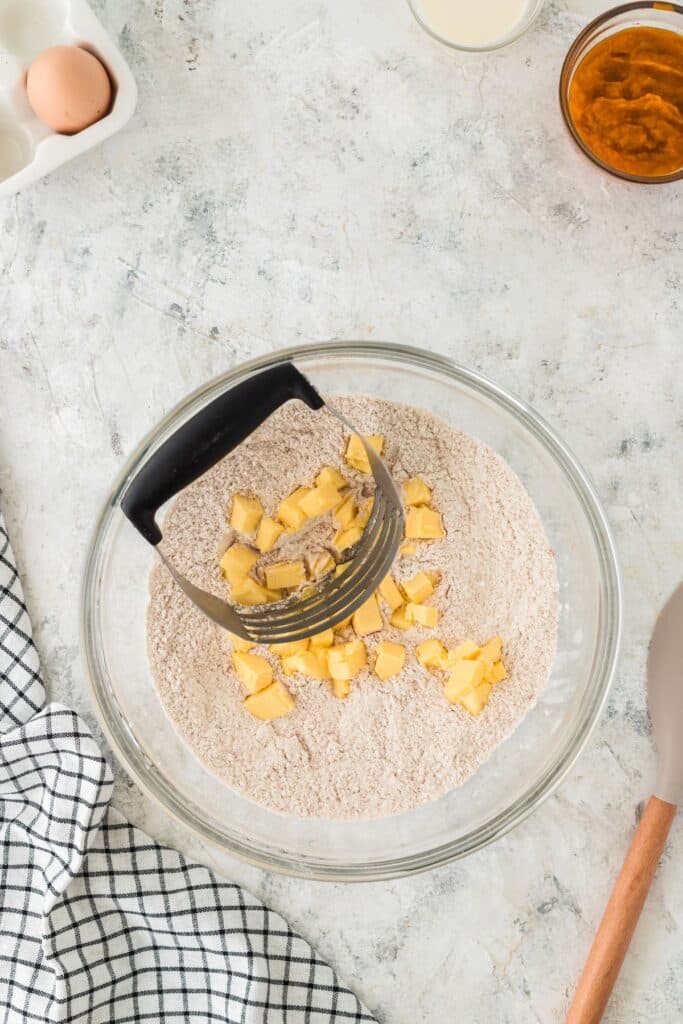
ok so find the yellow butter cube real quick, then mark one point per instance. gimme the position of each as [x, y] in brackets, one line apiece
[285, 575]
[238, 644]
[390, 659]
[493, 650]
[424, 523]
[400, 619]
[419, 588]
[467, 650]
[254, 671]
[343, 624]
[363, 516]
[320, 564]
[246, 513]
[268, 534]
[356, 455]
[324, 639]
[390, 593]
[249, 592]
[237, 563]
[431, 653]
[466, 675]
[367, 619]
[346, 512]
[329, 476]
[289, 510]
[346, 660]
[476, 700]
[272, 702]
[345, 539]
[308, 663]
[291, 647]
[319, 501]
[422, 614]
[499, 673]
[341, 688]
[407, 549]
[417, 492]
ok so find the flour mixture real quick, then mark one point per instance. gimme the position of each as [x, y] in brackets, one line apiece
[389, 745]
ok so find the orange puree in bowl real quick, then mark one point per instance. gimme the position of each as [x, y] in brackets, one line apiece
[626, 101]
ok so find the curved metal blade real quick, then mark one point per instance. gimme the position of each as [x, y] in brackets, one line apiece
[665, 696]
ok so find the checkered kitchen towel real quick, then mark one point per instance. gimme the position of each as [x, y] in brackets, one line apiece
[98, 923]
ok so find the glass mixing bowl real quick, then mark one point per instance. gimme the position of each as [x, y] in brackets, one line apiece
[524, 770]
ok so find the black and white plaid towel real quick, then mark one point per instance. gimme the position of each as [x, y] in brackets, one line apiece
[98, 923]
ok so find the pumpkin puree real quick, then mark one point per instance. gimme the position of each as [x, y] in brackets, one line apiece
[626, 101]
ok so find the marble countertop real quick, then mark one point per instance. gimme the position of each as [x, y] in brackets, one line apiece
[313, 170]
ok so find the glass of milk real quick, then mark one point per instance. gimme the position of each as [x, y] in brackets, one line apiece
[475, 24]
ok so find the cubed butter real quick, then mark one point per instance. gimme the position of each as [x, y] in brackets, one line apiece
[269, 532]
[390, 593]
[291, 647]
[499, 673]
[431, 653]
[400, 620]
[289, 510]
[356, 455]
[319, 500]
[329, 476]
[424, 523]
[346, 660]
[465, 676]
[476, 700]
[324, 639]
[254, 671]
[367, 619]
[493, 650]
[407, 548]
[249, 592]
[417, 492]
[246, 513]
[419, 588]
[467, 650]
[390, 659]
[274, 701]
[347, 538]
[363, 516]
[346, 512]
[422, 614]
[311, 663]
[238, 644]
[341, 688]
[285, 575]
[237, 563]
[320, 563]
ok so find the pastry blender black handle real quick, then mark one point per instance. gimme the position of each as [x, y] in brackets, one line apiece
[213, 432]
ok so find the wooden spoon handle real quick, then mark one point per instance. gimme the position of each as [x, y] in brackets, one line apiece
[621, 914]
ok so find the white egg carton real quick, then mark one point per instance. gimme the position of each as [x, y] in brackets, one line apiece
[28, 148]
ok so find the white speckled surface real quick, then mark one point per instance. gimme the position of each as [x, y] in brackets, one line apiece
[311, 170]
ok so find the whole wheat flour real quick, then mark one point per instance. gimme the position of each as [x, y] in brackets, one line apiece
[389, 746]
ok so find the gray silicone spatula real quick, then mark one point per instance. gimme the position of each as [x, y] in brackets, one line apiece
[665, 695]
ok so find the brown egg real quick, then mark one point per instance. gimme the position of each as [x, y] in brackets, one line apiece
[68, 89]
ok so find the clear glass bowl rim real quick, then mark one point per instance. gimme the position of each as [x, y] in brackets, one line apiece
[520, 28]
[133, 757]
[576, 52]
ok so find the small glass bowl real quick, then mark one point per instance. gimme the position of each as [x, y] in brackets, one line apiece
[517, 30]
[521, 772]
[652, 14]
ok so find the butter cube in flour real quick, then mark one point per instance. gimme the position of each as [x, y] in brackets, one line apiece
[390, 593]
[272, 702]
[249, 592]
[319, 501]
[289, 510]
[422, 614]
[346, 512]
[431, 653]
[367, 619]
[417, 492]
[254, 671]
[237, 563]
[246, 513]
[285, 575]
[466, 676]
[356, 455]
[291, 647]
[346, 660]
[476, 700]
[269, 532]
[390, 659]
[424, 523]
[329, 476]
[419, 588]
